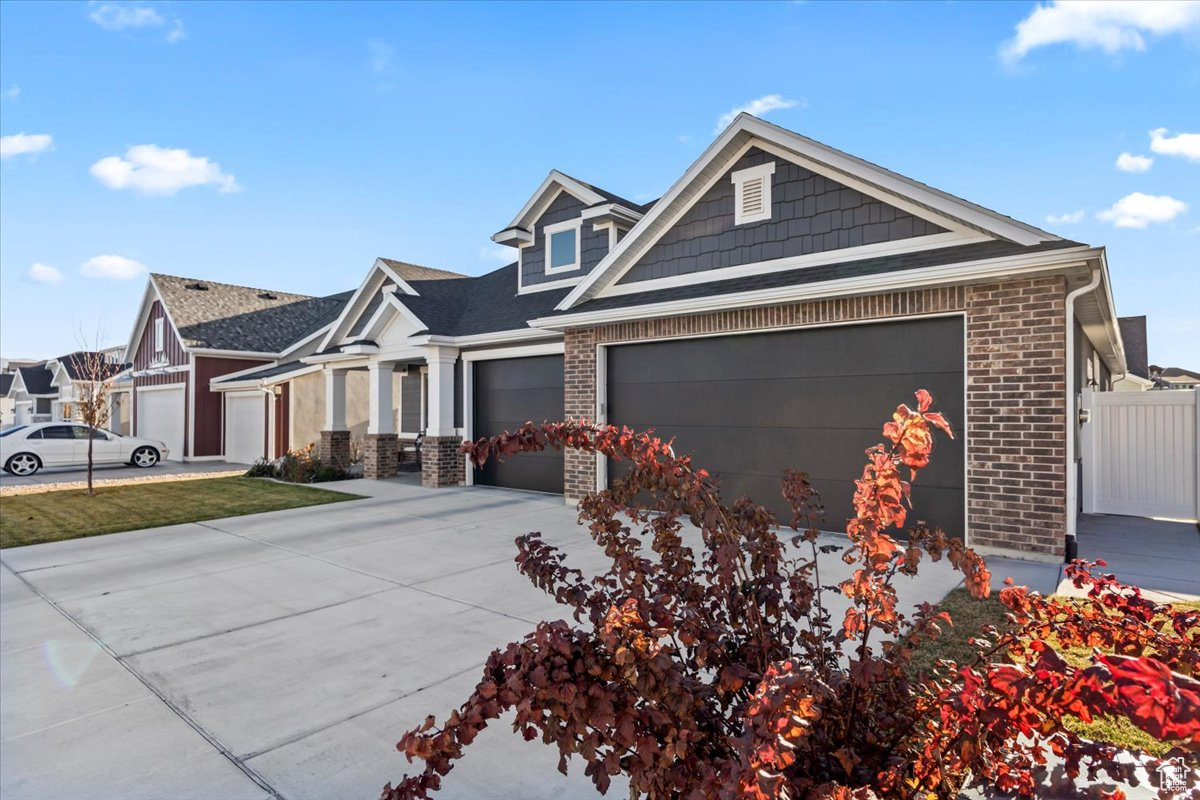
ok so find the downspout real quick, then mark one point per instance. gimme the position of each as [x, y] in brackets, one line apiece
[1072, 414]
[268, 445]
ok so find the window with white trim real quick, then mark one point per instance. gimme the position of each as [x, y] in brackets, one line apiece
[752, 193]
[563, 246]
[158, 338]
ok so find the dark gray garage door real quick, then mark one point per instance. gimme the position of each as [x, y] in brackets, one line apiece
[508, 393]
[751, 406]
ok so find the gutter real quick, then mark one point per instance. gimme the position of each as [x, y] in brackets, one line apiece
[1073, 419]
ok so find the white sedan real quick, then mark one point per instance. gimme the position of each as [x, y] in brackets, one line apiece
[27, 448]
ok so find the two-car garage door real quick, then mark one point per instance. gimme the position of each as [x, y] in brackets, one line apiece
[750, 406]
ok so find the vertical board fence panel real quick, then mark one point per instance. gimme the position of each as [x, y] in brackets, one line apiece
[1140, 454]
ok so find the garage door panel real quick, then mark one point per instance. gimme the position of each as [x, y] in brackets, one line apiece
[842, 350]
[245, 428]
[508, 393]
[160, 415]
[750, 406]
[788, 402]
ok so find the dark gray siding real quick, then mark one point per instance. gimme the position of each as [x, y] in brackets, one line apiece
[410, 401]
[533, 258]
[809, 214]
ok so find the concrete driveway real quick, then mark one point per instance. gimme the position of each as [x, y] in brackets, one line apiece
[283, 654]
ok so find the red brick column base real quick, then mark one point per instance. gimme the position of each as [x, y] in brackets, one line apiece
[335, 448]
[379, 455]
[441, 464]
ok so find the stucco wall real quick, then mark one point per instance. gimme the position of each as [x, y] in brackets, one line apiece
[308, 405]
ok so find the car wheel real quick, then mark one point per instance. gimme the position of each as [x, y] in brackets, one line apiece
[23, 464]
[145, 457]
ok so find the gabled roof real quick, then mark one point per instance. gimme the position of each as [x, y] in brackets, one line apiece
[521, 227]
[36, 380]
[1179, 372]
[1133, 335]
[221, 316]
[745, 131]
[74, 365]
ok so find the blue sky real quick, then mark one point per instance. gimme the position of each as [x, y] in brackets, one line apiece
[319, 136]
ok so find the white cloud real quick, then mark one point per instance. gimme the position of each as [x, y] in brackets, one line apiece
[757, 107]
[1138, 210]
[151, 169]
[381, 54]
[497, 253]
[1065, 219]
[44, 273]
[112, 267]
[119, 16]
[1128, 162]
[1110, 25]
[12, 92]
[1181, 144]
[25, 144]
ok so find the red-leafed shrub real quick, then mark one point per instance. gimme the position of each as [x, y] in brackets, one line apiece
[720, 673]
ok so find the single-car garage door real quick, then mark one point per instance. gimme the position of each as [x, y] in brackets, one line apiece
[752, 405]
[160, 415]
[508, 393]
[245, 427]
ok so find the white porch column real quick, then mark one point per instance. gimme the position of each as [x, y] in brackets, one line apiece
[379, 400]
[440, 361]
[335, 399]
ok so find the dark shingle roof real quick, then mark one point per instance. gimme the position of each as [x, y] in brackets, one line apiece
[78, 362]
[223, 316]
[483, 304]
[825, 272]
[614, 198]
[416, 272]
[1133, 336]
[37, 379]
[1179, 372]
[6, 380]
[265, 372]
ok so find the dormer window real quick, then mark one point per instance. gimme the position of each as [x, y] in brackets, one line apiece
[752, 194]
[562, 246]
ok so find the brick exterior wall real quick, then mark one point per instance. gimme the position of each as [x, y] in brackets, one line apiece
[379, 455]
[441, 464]
[335, 448]
[1016, 485]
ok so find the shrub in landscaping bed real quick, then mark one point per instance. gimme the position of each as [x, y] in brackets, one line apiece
[722, 673]
[298, 466]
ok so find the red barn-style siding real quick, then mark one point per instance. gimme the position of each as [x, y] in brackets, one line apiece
[209, 405]
[173, 354]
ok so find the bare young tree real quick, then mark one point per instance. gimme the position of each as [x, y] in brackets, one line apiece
[92, 376]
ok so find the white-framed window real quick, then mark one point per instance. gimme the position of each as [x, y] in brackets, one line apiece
[752, 193]
[158, 338]
[563, 246]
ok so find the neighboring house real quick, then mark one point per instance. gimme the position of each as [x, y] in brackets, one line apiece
[70, 379]
[189, 332]
[32, 394]
[1174, 377]
[1137, 364]
[8, 406]
[48, 391]
[767, 312]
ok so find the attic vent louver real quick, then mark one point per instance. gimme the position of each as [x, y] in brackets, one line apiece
[752, 193]
[199, 287]
[267, 296]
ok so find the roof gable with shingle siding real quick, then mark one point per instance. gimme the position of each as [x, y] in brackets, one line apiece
[810, 213]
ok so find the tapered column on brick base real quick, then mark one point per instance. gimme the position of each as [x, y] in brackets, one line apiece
[441, 463]
[379, 455]
[335, 448]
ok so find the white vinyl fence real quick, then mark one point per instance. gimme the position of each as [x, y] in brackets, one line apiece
[1140, 454]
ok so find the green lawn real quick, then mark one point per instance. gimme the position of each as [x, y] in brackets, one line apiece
[53, 516]
[971, 615]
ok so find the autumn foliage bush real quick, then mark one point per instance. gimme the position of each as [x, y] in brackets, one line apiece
[721, 672]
